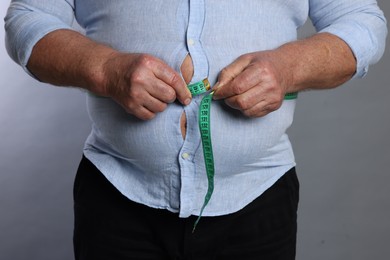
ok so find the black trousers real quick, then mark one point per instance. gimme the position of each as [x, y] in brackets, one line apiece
[108, 226]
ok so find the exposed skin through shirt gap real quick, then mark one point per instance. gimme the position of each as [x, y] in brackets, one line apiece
[187, 71]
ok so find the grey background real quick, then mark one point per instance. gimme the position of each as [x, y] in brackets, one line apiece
[341, 141]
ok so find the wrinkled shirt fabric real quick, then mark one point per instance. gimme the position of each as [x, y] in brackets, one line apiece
[149, 161]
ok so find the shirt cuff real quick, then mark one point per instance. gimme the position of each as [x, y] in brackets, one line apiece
[367, 46]
[25, 31]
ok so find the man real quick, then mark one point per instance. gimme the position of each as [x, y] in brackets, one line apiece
[142, 182]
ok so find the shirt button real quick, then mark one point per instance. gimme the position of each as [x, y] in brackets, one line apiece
[185, 156]
[191, 42]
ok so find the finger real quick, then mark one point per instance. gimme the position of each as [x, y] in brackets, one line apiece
[160, 90]
[144, 98]
[154, 105]
[257, 101]
[183, 94]
[228, 74]
[137, 109]
[246, 100]
[169, 76]
[246, 80]
[143, 113]
[141, 103]
[259, 110]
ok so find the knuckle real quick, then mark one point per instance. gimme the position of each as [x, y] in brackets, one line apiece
[225, 71]
[161, 107]
[132, 105]
[137, 77]
[226, 74]
[242, 103]
[176, 84]
[276, 106]
[250, 113]
[146, 60]
[129, 107]
[135, 94]
[272, 107]
[170, 95]
[246, 78]
[268, 72]
[264, 69]
[145, 116]
[237, 88]
[269, 109]
[277, 98]
[175, 79]
[246, 57]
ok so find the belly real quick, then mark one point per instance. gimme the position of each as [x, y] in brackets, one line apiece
[124, 136]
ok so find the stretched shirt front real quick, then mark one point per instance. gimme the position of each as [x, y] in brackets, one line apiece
[149, 161]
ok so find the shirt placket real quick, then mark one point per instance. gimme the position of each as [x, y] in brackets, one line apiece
[192, 141]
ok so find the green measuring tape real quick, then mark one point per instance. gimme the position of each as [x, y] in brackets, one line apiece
[205, 133]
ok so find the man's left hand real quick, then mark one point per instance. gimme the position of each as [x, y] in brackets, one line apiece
[255, 83]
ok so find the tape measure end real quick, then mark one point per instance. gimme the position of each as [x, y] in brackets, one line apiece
[195, 224]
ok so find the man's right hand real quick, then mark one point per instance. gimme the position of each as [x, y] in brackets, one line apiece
[142, 84]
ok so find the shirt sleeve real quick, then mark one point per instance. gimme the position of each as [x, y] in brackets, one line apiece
[360, 23]
[27, 21]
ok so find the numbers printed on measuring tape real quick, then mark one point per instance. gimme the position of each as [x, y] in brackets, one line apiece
[200, 87]
[205, 132]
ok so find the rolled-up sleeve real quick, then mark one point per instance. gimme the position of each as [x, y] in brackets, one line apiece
[27, 21]
[360, 23]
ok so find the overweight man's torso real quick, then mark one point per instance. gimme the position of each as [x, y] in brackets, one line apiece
[197, 38]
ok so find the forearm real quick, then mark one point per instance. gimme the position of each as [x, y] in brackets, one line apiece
[319, 62]
[142, 84]
[67, 58]
[256, 83]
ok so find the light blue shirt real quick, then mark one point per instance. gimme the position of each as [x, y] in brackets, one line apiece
[148, 161]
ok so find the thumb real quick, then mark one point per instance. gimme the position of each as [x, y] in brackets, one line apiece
[227, 75]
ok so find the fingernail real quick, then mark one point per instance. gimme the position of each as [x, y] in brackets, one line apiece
[215, 90]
